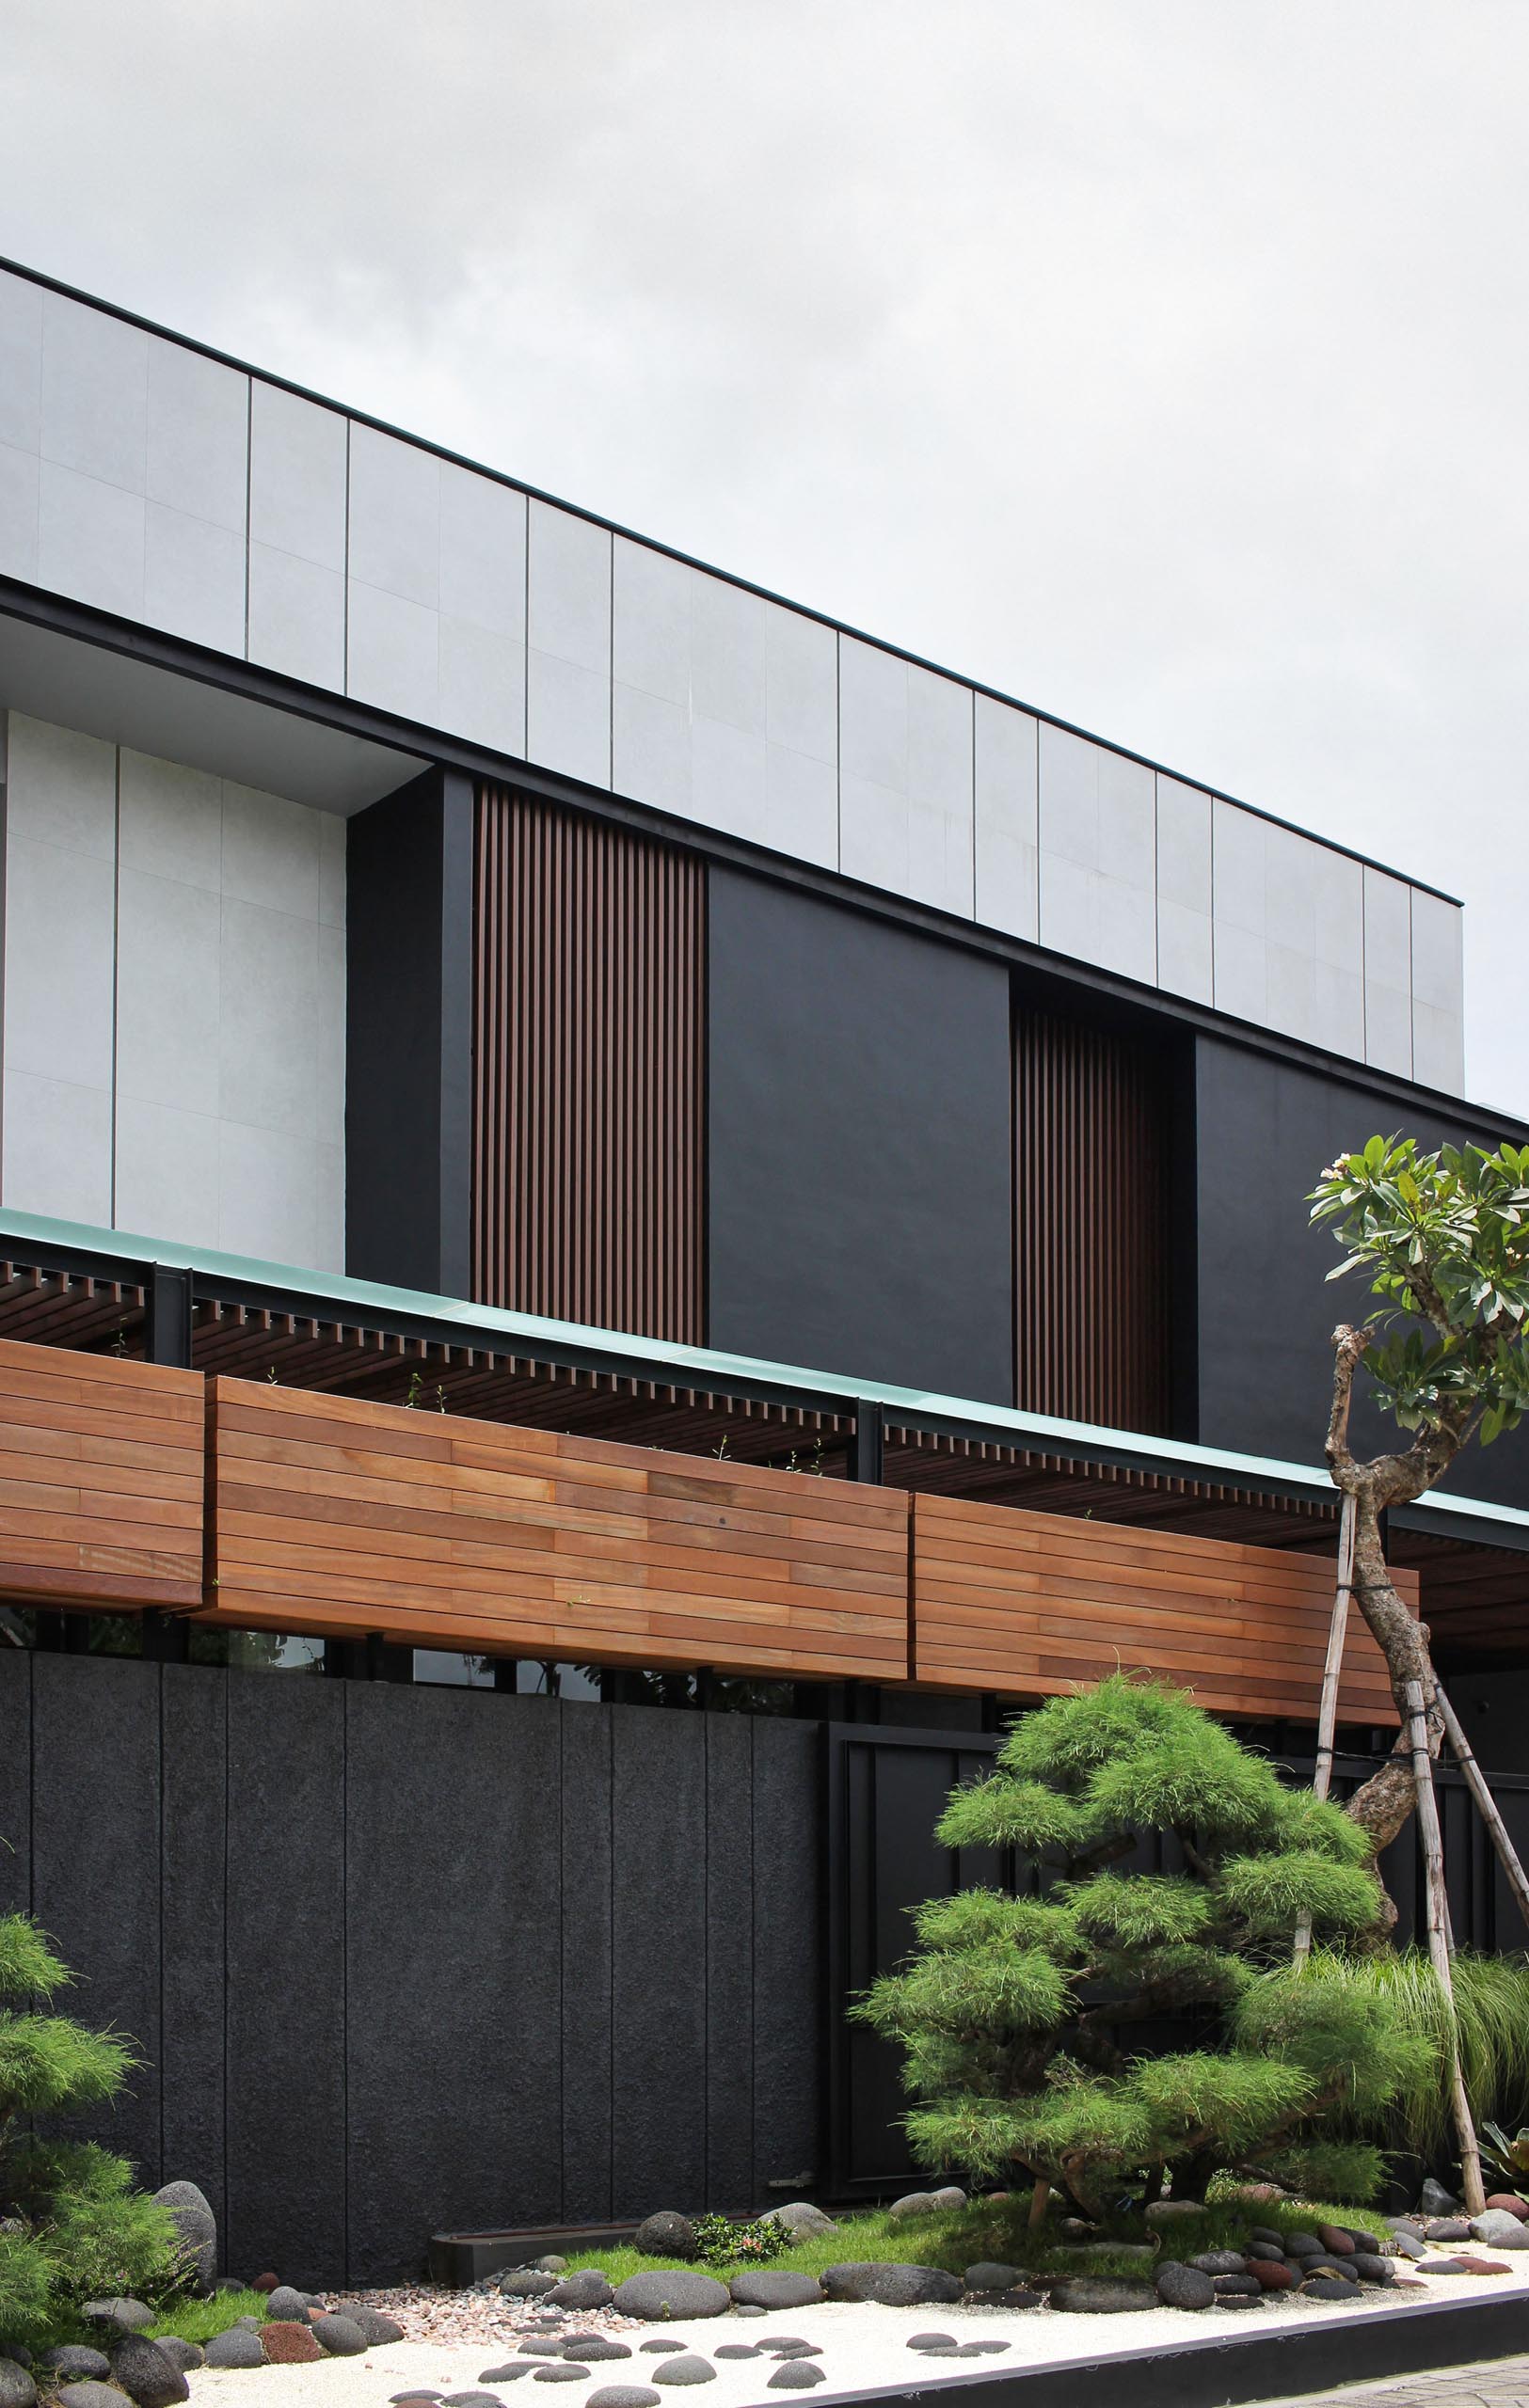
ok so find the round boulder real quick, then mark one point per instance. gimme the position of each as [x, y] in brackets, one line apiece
[338, 2336]
[799, 2215]
[237, 2347]
[1508, 2203]
[1434, 2200]
[595, 2346]
[776, 2286]
[797, 2375]
[1237, 2287]
[1166, 2212]
[71, 2362]
[891, 2284]
[287, 2344]
[1017, 2298]
[376, 2327]
[140, 2368]
[525, 2282]
[1273, 2273]
[18, 2390]
[1184, 2286]
[560, 2373]
[126, 2315]
[1220, 2262]
[585, 2290]
[949, 2199]
[91, 2395]
[663, 2298]
[289, 2306]
[1335, 2240]
[195, 2225]
[686, 2369]
[185, 2354]
[1092, 2295]
[1499, 2231]
[1371, 2268]
[624, 2395]
[988, 2274]
[1325, 2288]
[668, 2234]
[913, 2203]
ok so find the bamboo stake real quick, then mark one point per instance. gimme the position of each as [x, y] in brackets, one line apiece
[1438, 1913]
[1331, 1675]
[1039, 2198]
[1475, 1780]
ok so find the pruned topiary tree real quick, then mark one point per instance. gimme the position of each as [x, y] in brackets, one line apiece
[73, 2227]
[1021, 2018]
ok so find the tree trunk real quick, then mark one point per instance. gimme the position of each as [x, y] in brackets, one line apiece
[1440, 1942]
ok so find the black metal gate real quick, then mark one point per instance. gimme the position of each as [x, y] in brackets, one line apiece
[885, 1791]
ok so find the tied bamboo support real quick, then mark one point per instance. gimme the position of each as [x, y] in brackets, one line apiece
[1331, 1676]
[1475, 1780]
[1438, 1939]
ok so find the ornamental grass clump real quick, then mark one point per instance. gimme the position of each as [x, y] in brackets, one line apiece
[1125, 2030]
[73, 2227]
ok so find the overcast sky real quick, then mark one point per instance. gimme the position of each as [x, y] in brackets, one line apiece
[1162, 362]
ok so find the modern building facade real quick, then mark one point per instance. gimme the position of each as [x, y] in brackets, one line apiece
[573, 1128]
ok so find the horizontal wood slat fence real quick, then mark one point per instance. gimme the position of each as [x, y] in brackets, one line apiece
[100, 1481]
[336, 1516]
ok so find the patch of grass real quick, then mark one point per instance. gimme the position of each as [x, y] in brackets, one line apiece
[203, 2319]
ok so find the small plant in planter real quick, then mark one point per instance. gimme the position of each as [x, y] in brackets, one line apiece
[73, 2227]
[720, 2242]
[1507, 2158]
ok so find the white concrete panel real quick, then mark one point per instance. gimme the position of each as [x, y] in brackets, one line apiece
[1005, 776]
[1337, 909]
[298, 476]
[20, 482]
[394, 517]
[332, 845]
[483, 553]
[568, 607]
[91, 541]
[268, 1017]
[328, 1040]
[1388, 1028]
[728, 655]
[194, 579]
[940, 744]
[394, 654]
[95, 393]
[1101, 920]
[59, 908]
[874, 718]
[1241, 981]
[58, 1149]
[1436, 971]
[197, 455]
[1438, 1047]
[168, 946]
[874, 843]
[62, 788]
[21, 362]
[730, 785]
[1238, 842]
[567, 716]
[171, 821]
[650, 626]
[802, 812]
[939, 858]
[297, 617]
[329, 1208]
[267, 1194]
[1069, 799]
[801, 683]
[1183, 874]
[1388, 973]
[1290, 1001]
[1184, 952]
[271, 852]
[1127, 821]
[651, 749]
[482, 691]
[1336, 1010]
[166, 1172]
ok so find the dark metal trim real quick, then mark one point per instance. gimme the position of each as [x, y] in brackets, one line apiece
[167, 1311]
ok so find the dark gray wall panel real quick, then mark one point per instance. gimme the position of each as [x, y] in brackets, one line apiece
[587, 2001]
[1266, 1130]
[193, 1722]
[15, 1779]
[286, 1975]
[729, 1960]
[658, 1922]
[787, 1952]
[858, 1146]
[452, 1814]
[95, 1863]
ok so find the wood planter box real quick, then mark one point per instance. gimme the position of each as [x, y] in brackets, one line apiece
[100, 1481]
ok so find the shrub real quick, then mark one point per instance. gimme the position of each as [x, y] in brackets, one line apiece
[72, 2225]
[720, 2242]
[1016, 2014]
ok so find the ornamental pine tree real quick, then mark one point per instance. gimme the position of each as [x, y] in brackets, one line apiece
[71, 2226]
[1022, 2018]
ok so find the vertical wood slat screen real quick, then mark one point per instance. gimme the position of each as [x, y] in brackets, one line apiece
[589, 1072]
[1091, 1226]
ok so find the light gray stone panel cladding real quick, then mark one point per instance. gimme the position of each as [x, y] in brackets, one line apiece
[174, 1001]
[140, 477]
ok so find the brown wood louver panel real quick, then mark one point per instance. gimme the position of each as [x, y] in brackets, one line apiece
[1091, 1226]
[589, 1072]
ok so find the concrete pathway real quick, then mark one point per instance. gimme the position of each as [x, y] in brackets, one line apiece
[1501, 2382]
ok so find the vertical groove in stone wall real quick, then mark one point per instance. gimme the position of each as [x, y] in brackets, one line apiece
[589, 1072]
[1091, 1226]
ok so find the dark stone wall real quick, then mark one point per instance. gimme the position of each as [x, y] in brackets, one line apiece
[1265, 1129]
[860, 1179]
[402, 1959]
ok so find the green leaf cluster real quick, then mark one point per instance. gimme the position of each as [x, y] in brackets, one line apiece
[1121, 2023]
[73, 2225]
[1443, 1240]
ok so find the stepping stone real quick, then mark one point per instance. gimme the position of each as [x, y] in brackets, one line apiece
[738, 2349]
[793, 2348]
[561, 2374]
[541, 2348]
[491, 2374]
[622, 2395]
[597, 2345]
[687, 2368]
[932, 2341]
[654, 2349]
[797, 2375]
